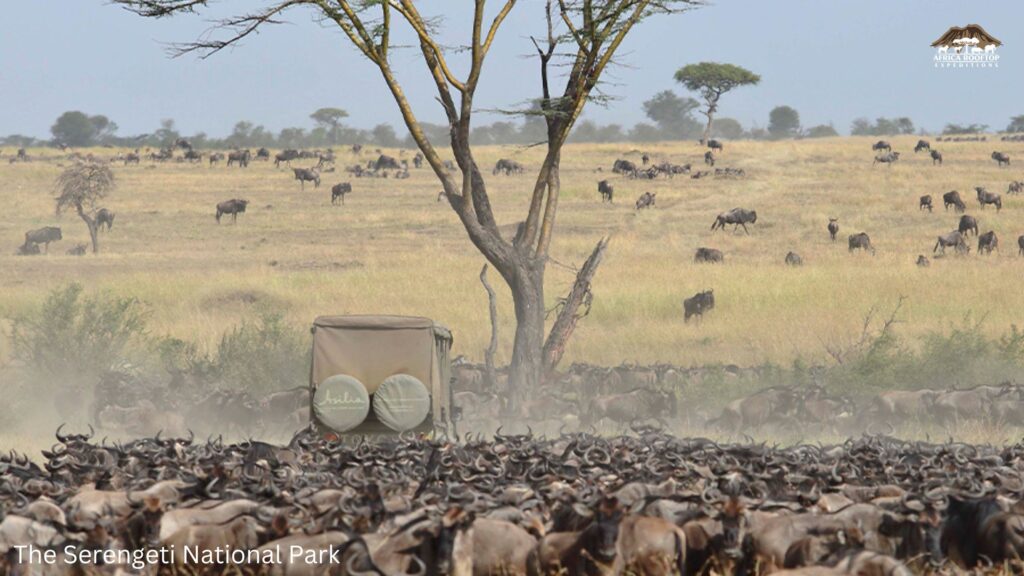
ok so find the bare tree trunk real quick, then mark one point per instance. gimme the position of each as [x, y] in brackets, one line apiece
[525, 369]
[94, 232]
[565, 323]
[492, 347]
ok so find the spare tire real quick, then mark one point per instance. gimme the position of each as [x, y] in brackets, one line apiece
[401, 402]
[341, 402]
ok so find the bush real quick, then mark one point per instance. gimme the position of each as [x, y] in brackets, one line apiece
[262, 356]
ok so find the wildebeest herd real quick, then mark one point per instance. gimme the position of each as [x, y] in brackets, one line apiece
[577, 504]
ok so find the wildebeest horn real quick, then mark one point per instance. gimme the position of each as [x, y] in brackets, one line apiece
[60, 438]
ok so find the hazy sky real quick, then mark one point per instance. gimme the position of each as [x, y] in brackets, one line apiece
[833, 60]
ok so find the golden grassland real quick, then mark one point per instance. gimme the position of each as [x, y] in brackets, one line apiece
[393, 249]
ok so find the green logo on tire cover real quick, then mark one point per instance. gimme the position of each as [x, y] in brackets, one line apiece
[341, 402]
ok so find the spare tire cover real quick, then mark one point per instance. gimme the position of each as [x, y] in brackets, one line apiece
[401, 402]
[341, 402]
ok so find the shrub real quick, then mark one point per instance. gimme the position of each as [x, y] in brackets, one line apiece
[262, 356]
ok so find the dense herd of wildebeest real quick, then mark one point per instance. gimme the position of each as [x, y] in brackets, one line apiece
[643, 502]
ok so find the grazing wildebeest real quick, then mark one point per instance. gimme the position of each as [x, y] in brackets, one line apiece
[952, 198]
[888, 158]
[28, 250]
[1016, 187]
[988, 242]
[1020, 243]
[623, 167]
[239, 156]
[645, 159]
[193, 156]
[794, 259]
[339, 191]
[736, 217]
[708, 255]
[968, 223]
[923, 261]
[922, 145]
[861, 241]
[43, 236]
[833, 228]
[304, 175]
[104, 216]
[285, 156]
[507, 167]
[132, 158]
[698, 304]
[77, 250]
[1001, 158]
[709, 158]
[986, 197]
[235, 206]
[715, 145]
[216, 157]
[955, 239]
[606, 190]
[881, 145]
[263, 154]
[385, 162]
[925, 202]
[936, 157]
[646, 200]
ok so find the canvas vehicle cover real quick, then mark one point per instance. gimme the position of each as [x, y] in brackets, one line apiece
[380, 374]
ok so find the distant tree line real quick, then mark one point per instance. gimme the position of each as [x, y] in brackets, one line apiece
[671, 118]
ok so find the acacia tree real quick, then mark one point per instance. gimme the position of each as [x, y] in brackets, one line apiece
[330, 119]
[712, 80]
[582, 38]
[79, 187]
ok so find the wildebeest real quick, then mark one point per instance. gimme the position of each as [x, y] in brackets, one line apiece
[645, 159]
[193, 155]
[239, 156]
[715, 145]
[709, 158]
[988, 242]
[860, 241]
[888, 158]
[925, 202]
[304, 175]
[794, 259]
[43, 236]
[736, 217]
[417, 160]
[955, 239]
[1016, 187]
[646, 200]
[216, 157]
[507, 167]
[881, 145]
[339, 191]
[1020, 244]
[1001, 158]
[385, 162]
[936, 157]
[698, 304]
[285, 156]
[986, 197]
[922, 145]
[77, 250]
[968, 223]
[606, 190]
[833, 228]
[623, 167]
[104, 216]
[708, 255]
[263, 154]
[923, 261]
[235, 206]
[952, 198]
[131, 158]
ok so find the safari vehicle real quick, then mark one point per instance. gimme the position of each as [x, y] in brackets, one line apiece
[380, 375]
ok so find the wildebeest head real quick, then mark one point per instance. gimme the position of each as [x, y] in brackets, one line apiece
[603, 533]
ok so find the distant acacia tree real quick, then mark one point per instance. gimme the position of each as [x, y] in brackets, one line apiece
[713, 80]
[821, 131]
[582, 38]
[79, 187]
[882, 127]
[729, 128]
[783, 122]
[330, 119]
[76, 128]
[1016, 124]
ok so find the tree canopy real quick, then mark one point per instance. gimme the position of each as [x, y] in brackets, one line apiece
[783, 122]
[75, 128]
[712, 80]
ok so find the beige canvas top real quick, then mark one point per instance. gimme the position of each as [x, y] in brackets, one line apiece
[372, 348]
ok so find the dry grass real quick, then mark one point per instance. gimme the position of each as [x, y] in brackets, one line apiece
[392, 248]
